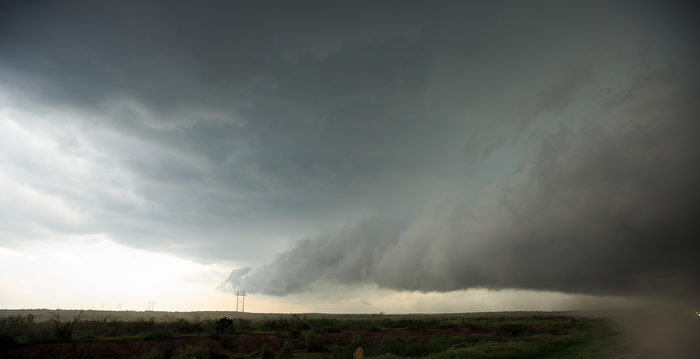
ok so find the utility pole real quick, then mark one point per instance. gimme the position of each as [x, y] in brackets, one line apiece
[240, 301]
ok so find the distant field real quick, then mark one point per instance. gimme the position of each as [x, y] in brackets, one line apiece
[127, 334]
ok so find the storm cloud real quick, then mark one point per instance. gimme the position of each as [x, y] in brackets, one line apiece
[410, 145]
[606, 206]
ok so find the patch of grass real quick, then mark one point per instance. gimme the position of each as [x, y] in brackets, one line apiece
[598, 341]
[404, 346]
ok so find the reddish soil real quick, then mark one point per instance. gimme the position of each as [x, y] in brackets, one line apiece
[222, 346]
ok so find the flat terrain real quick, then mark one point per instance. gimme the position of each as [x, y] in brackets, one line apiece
[126, 334]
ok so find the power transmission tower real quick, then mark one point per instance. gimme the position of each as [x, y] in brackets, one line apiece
[240, 301]
[151, 304]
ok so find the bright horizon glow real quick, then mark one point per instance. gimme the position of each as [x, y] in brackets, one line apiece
[94, 272]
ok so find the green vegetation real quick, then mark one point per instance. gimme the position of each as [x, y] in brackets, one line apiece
[154, 353]
[195, 352]
[286, 351]
[486, 335]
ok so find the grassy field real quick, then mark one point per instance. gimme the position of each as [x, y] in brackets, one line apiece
[102, 334]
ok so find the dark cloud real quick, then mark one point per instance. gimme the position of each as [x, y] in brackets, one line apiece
[561, 92]
[224, 118]
[608, 206]
[222, 131]
[348, 256]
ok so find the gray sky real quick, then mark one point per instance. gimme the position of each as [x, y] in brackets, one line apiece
[404, 146]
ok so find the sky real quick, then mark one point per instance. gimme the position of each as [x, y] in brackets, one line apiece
[363, 157]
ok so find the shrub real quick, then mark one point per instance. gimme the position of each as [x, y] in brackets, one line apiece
[313, 342]
[266, 352]
[340, 352]
[195, 352]
[159, 333]
[286, 351]
[63, 331]
[142, 325]
[154, 353]
[357, 341]
[293, 325]
[224, 325]
[244, 325]
[15, 329]
[324, 325]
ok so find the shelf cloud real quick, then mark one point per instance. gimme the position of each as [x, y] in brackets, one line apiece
[604, 206]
